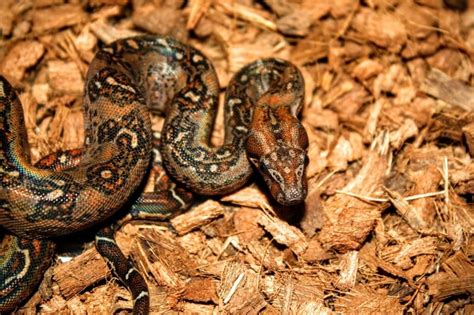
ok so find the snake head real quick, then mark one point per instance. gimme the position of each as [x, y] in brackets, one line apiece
[284, 172]
[281, 159]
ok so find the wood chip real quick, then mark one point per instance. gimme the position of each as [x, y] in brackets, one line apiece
[366, 300]
[56, 17]
[349, 266]
[388, 222]
[79, 273]
[383, 29]
[65, 77]
[19, 58]
[454, 92]
[249, 196]
[198, 216]
[350, 219]
[284, 233]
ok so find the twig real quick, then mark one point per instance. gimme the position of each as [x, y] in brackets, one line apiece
[409, 198]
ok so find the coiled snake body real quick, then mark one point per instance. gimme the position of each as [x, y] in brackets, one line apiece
[71, 191]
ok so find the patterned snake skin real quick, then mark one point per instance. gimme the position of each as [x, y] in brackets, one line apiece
[73, 190]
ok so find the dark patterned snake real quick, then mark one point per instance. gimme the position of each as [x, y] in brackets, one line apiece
[74, 190]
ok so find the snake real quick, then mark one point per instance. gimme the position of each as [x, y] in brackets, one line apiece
[70, 191]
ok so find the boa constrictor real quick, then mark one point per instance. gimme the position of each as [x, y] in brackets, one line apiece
[73, 190]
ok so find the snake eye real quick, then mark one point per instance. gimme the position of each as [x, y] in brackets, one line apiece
[277, 177]
[300, 171]
[254, 161]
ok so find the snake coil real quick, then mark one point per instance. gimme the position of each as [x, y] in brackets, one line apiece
[73, 190]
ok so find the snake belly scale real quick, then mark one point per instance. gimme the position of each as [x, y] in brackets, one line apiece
[125, 81]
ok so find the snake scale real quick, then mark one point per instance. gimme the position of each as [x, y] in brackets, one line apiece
[74, 190]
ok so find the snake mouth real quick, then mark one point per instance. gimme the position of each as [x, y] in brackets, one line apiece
[292, 196]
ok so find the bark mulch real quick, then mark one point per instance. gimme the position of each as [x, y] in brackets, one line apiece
[387, 226]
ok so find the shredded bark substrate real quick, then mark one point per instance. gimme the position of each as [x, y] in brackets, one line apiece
[387, 226]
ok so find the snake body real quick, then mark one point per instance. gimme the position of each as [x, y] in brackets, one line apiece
[70, 191]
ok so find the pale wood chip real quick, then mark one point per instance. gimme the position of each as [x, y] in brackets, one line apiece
[367, 68]
[284, 233]
[393, 80]
[458, 264]
[105, 299]
[462, 214]
[423, 265]
[318, 160]
[368, 255]
[76, 275]
[426, 180]
[402, 255]
[254, 16]
[464, 173]
[280, 7]
[426, 47]
[242, 50]
[65, 77]
[324, 119]
[196, 308]
[160, 255]
[312, 47]
[56, 17]
[448, 124]
[315, 252]
[265, 256]
[451, 91]
[406, 131]
[443, 286]
[346, 98]
[55, 304]
[407, 211]
[19, 58]
[351, 220]
[284, 287]
[246, 226]
[249, 196]
[203, 290]
[368, 301]
[383, 29]
[452, 62]
[193, 242]
[295, 24]
[340, 54]
[160, 19]
[197, 216]
[197, 11]
[374, 113]
[107, 12]
[348, 271]
[348, 148]
[313, 307]
[420, 21]
[238, 289]
[108, 33]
